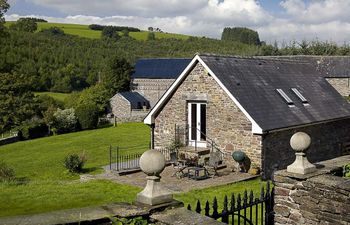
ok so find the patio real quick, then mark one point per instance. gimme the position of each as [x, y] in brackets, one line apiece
[176, 185]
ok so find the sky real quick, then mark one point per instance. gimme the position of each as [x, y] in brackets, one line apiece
[281, 21]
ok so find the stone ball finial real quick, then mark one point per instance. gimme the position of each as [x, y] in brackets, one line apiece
[300, 141]
[152, 162]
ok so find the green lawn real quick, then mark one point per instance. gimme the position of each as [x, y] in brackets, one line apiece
[84, 31]
[58, 96]
[50, 186]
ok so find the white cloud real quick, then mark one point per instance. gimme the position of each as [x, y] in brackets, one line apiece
[322, 19]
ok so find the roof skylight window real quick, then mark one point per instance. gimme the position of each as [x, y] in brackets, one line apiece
[285, 97]
[300, 96]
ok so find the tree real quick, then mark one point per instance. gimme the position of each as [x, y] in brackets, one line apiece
[4, 6]
[110, 32]
[97, 95]
[25, 24]
[55, 31]
[151, 36]
[87, 115]
[240, 34]
[116, 77]
[17, 103]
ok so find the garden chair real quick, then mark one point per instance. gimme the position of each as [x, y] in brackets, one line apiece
[213, 164]
[178, 166]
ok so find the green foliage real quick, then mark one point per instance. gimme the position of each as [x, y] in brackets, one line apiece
[109, 32]
[25, 24]
[47, 101]
[17, 102]
[65, 121]
[4, 6]
[240, 34]
[116, 77]
[151, 36]
[87, 115]
[74, 162]
[31, 129]
[347, 170]
[7, 174]
[54, 31]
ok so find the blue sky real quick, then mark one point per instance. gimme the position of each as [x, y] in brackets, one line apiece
[275, 20]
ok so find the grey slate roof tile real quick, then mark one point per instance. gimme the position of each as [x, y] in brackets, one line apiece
[136, 100]
[159, 68]
[254, 81]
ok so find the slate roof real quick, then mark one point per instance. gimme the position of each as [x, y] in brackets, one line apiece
[136, 100]
[159, 68]
[253, 82]
[328, 66]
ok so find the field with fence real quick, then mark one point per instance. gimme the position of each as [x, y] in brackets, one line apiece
[44, 184]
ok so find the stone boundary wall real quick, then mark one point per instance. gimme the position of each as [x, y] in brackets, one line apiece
[326, 143]
[342, 85]
[9, 140]
[133, 116]
[315, 198]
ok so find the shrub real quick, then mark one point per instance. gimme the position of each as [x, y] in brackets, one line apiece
[65, 121]
[32, 129]
[6, 172]
[74, 162]
[347, 170]
[87, 116]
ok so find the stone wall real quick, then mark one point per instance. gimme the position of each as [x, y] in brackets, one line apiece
[120, 107]
[326, 140]
[151, 89]
[226, 124]
[316, 198]
[342, 85]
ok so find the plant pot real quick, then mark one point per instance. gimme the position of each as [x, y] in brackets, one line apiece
[254, 171]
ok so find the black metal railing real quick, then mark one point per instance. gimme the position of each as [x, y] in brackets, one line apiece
[242, 210]
[120, 159]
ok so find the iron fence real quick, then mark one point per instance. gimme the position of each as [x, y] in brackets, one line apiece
[120, 159]
[246, 210]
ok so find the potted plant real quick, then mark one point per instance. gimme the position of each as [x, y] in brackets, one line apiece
[254, 169]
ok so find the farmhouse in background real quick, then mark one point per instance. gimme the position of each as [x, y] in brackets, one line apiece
[253, 105]
[152, 77]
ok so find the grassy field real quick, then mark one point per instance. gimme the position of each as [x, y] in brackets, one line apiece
[47, 184]
[58, 96]
[84, 31]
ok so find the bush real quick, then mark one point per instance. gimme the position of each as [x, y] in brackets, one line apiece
[74, 162]
[65, 121]
[87, 116]
[32, 129]
[6, 173]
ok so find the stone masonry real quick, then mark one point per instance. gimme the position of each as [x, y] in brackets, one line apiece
[342, 85]
[120, 106]
[226, 124]
[315, 198]
[151, 89]
[326, 142]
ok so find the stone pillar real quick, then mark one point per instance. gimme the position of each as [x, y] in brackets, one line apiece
[152, 163]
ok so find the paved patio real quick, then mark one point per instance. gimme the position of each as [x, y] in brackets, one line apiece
[226, 176]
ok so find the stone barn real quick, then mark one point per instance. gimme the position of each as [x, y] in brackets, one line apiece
[253, 105]
[129, 106]
[152, 77]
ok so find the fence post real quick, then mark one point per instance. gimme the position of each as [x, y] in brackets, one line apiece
[110, 157]
[225, 211]
[117, 158]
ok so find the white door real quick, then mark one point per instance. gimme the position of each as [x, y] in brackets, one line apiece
[197, 124]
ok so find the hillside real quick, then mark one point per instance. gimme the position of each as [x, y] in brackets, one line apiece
[84, 31]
